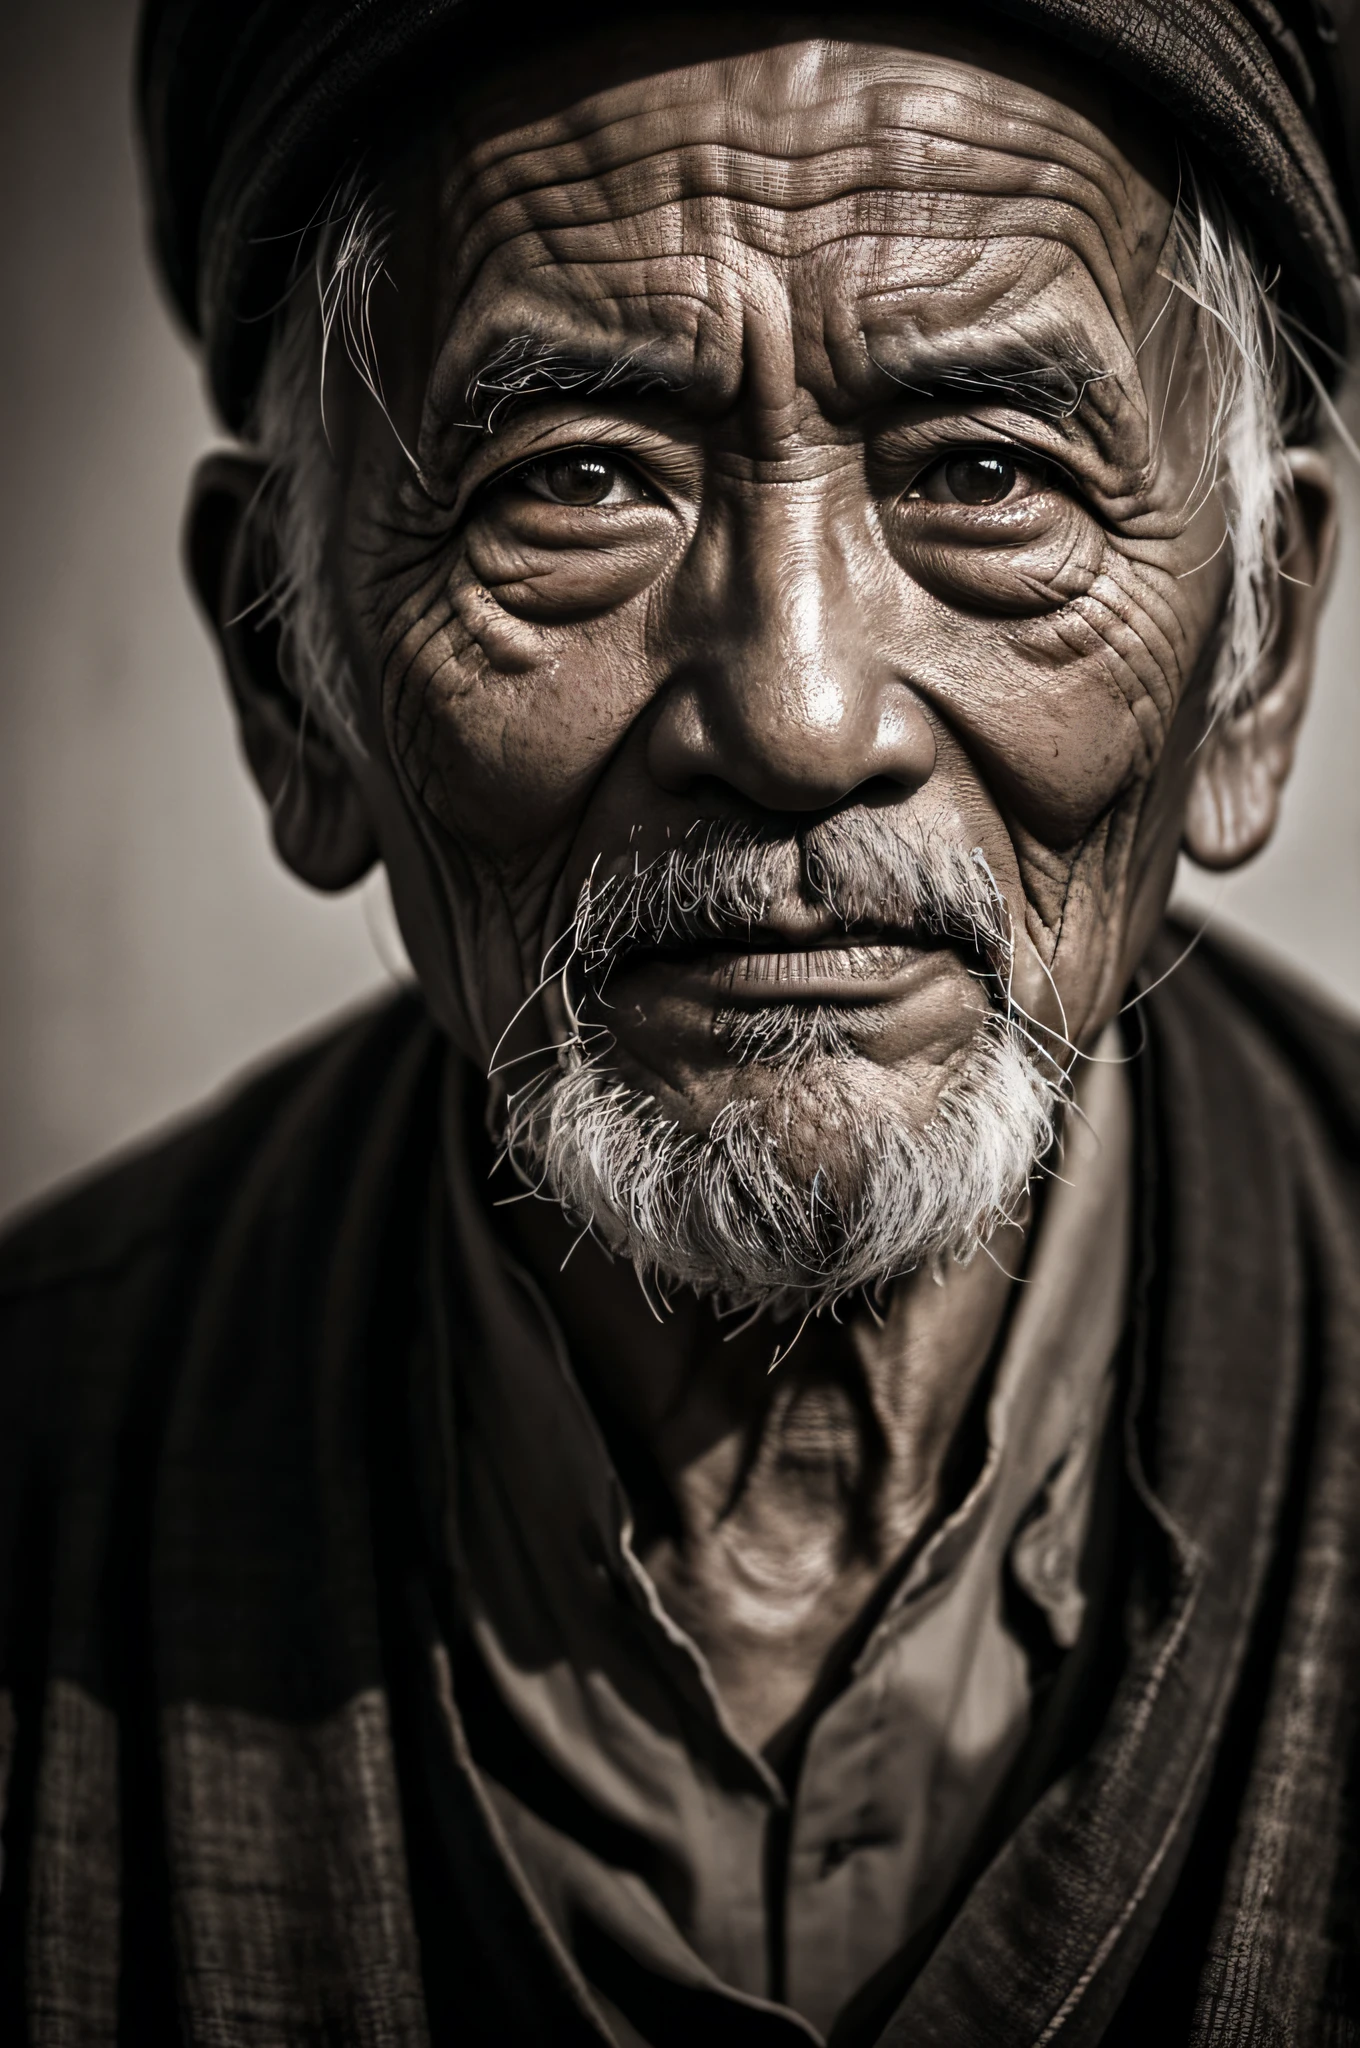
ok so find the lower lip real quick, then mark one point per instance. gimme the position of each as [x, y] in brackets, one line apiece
[750, 979]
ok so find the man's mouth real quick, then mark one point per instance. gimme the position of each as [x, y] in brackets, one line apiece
[781, 964]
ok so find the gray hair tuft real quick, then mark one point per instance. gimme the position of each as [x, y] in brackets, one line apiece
[1252, 359]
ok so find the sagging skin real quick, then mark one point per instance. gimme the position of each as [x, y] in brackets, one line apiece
[859, 465]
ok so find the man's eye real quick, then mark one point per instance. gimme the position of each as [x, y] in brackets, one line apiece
[581, 478]
[985, 478]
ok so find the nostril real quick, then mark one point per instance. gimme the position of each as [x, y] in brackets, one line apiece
[878, 791]
[716, 797]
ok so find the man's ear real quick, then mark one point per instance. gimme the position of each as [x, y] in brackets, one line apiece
[317, 814]
[1245, 760]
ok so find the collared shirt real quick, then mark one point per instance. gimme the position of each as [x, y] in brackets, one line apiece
[642, 1823]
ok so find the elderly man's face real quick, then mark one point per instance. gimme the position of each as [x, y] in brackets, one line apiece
[809, 435]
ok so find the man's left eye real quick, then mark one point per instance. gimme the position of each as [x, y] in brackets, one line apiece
[985, 476]
[581, 478]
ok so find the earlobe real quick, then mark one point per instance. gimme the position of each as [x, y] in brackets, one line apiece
[317, 814]
[1245, 759]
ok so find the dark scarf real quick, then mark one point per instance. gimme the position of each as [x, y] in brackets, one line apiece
[240, 1805]
[251, 111]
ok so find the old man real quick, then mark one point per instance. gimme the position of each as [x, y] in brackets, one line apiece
[773, 1460]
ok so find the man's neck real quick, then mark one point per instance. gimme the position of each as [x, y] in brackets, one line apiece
[769, 1505]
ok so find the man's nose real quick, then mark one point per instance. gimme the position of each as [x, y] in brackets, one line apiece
[779, 690]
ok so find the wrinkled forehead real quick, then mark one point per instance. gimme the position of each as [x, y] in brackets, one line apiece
[882, 202]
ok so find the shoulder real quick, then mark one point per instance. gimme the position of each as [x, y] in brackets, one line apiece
[1311, 1033]
[117, 1297]
[101, 1285]
[1301, 1043]
[167, 1191]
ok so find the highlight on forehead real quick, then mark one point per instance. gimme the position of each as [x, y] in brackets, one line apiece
[768, 77]
[780, 130]
[618, 249]
[896, 161]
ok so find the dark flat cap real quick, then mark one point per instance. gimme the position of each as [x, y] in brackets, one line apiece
[251, 109]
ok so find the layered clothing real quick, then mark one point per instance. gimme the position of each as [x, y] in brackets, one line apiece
[248, 1799]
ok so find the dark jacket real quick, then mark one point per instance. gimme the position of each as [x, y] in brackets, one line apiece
[240, 1806]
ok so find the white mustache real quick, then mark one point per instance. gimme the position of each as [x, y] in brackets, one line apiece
[862, 870]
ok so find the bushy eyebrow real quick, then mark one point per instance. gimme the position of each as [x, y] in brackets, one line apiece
[1049, 383]
[1051, 386]
[526, 368]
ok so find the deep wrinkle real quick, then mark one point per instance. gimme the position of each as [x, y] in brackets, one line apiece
[788, 620]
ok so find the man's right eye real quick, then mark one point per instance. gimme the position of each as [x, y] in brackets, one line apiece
[581, 478]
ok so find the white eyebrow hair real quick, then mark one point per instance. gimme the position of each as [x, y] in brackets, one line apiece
[527, 367]
[1051, 383]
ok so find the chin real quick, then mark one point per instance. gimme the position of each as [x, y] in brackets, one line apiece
[799, 1169]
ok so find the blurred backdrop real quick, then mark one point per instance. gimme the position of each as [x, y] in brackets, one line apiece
[150, 946]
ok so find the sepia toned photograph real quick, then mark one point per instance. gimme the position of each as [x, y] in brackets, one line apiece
[680, 1025]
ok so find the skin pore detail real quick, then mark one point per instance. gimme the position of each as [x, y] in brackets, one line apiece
[822, 329]
[804, 431]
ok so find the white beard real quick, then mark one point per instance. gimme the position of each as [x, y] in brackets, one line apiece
[728, 1212]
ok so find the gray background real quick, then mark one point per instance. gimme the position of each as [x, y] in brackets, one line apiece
[150, 946]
